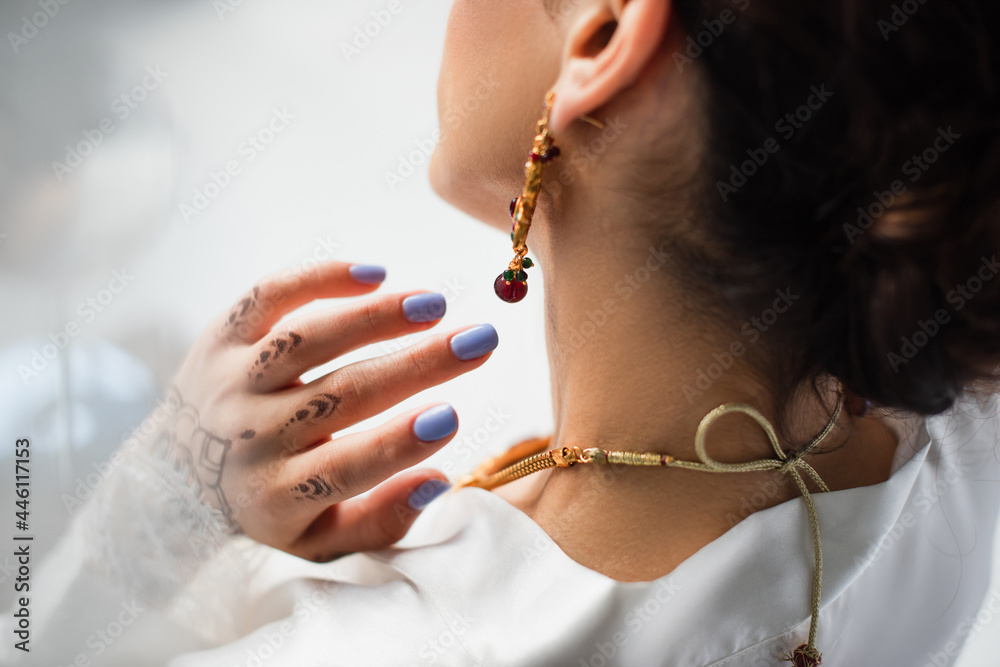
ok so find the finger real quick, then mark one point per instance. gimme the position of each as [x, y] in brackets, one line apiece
[366, 388]
[376, 521]
[314, 339]
[336, 471]
[275, 296]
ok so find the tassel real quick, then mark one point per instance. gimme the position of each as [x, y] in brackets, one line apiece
[804, 656]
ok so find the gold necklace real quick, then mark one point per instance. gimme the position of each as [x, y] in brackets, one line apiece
[524, 459]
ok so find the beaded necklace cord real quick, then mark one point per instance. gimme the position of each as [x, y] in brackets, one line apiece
[526, 458]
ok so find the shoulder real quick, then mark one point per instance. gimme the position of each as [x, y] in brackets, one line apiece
[971, 425]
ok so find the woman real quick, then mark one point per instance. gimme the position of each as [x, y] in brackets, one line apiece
[775, 204]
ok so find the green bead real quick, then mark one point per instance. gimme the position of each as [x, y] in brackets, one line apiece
[512, 236]
[521, 276]
[508, 275]
[528, 263]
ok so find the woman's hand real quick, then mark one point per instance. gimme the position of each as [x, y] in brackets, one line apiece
[260, 440]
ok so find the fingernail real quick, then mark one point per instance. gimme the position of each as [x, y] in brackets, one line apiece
[475, 342]
[435, 423]
[424, 307]
[368, 274]
[426, 492]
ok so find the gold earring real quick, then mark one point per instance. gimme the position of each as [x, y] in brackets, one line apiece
[512, 285]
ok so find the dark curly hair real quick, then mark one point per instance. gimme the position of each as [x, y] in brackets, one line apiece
[854, 157]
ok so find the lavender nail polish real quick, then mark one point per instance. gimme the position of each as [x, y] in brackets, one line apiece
[422, 496]
[368, 274]
[435, 423]
[424, 307]
[475, 342]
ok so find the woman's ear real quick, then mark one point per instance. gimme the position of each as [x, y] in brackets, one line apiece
[607, 47]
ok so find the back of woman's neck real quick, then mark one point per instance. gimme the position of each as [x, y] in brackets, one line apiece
[638, 524]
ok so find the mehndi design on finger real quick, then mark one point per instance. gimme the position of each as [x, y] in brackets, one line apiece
[325, 404]
[314, 488]
[322, 406]
[281, 345]
[240, 314]
[288, 343]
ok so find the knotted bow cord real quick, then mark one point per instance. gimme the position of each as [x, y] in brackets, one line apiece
[785, 464]
[497, 471]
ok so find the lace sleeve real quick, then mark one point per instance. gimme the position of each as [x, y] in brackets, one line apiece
[152, 538]
[160, 521]
[146, 530]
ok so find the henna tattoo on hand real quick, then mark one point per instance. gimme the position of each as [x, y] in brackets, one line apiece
[323, 406]
[240, 314]
[212, 460]
[282, 344]
[182, 439]
[314, 488]
[244, 306]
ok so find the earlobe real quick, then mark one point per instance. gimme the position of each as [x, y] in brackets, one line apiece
[595, 68]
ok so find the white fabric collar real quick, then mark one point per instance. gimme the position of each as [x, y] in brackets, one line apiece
[735, 603]
[771, 547]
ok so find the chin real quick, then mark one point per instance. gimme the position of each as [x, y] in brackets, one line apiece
[461, 189]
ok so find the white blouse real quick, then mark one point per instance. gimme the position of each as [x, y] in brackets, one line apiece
[907, 563]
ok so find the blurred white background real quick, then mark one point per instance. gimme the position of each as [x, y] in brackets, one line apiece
[142, 104]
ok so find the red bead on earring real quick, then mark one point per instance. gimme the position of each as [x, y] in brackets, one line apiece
[512, 285]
